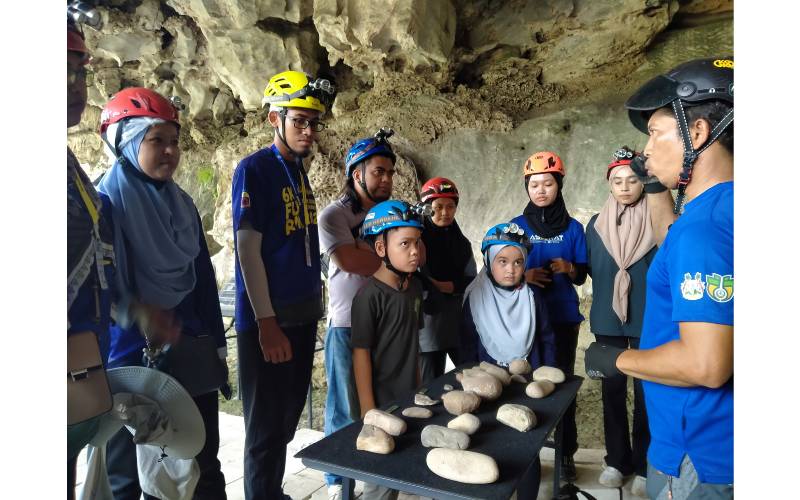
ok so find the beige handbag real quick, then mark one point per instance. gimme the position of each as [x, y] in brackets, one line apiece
[88, 393]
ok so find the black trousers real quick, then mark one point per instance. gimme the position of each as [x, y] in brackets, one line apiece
[273, 396]
[123, 474]
[431, 364]
[620, 454]
[566, 344]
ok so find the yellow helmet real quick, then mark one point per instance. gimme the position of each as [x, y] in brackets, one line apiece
[293, 89]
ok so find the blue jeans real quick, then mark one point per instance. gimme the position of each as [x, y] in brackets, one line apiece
[341, 386]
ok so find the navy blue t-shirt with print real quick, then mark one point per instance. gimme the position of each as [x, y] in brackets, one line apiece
[280, 209]
[560, 295]
[691, 280]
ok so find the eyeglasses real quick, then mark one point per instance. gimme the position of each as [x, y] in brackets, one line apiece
[304, 123]
[73, 75]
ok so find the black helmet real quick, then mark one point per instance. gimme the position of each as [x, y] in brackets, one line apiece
[689, 84]
[692, 82]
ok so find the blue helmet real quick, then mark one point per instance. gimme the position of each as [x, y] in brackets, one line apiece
[367, 147]
[393, 213]
[506, 233]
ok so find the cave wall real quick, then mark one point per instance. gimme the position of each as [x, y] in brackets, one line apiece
[472, 88]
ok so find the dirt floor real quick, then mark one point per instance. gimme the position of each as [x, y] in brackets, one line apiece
[589, 413]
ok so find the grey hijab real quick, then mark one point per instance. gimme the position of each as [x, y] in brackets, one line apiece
[505, 319]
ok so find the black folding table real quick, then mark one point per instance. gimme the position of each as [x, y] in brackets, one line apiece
[405, 470]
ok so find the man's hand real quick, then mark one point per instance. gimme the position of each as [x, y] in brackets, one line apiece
[600, 361]
[651, 183]
[444, 286]
[160, 325]
[274, 344]
[538, 276]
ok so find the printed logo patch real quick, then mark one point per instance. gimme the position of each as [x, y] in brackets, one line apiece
[245, 200]
[692, 288]
[719, 287]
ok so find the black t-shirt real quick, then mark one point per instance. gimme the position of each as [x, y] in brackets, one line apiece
[387, 321]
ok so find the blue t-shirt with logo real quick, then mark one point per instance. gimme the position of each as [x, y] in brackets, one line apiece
[560, 296]
[280, 209]
[691, 280]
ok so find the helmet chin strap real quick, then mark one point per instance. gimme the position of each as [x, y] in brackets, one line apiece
[282, 137]
[690, 154]
[363, 184]
[387, 261]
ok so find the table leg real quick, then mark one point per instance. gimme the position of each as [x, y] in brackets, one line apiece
[347, 488]
[559, 437]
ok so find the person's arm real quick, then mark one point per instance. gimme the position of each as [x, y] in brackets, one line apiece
[336, 239]
[208, 304]
[703, 356]
[275, 346]
[468, 341]
[353, 259]
[362, 371]
[661, 213]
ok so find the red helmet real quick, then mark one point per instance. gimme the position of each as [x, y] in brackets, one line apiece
[623, 156]
[137, 101]
[75, 43]
[543, 162]
[439, 187]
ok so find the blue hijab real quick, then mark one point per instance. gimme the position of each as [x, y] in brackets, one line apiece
[156, 228]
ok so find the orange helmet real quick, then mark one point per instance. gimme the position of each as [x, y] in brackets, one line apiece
[544, 162]
[439, 187]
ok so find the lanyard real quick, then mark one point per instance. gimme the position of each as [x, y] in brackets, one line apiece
[301, 199]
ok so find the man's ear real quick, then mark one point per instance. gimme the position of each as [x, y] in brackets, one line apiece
[700, 132]
[274, 119]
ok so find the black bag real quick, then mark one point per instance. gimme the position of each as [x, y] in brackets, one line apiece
[194, 362]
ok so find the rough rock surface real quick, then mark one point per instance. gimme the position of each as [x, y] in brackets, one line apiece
[500, 374]
[424, 400]
[374, 440]
[517, 417]
[436, 436]
[484, 385]
[389, 423]
[462, 466]
[458, 402]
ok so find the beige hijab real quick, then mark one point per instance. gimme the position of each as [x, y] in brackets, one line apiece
[626, 242]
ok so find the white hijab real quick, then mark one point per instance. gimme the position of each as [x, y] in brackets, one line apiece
[505, 319]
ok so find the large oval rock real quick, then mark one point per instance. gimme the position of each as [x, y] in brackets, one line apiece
[374, 440]
[520, 367]
[458, 402]
[466, 423]
[495, 371]
[462, 466]
[417, 412]
[484, 385]
[424, 400]
[436, 436]
[389, 423]
[517, 417]
[540, 389]
[551, 373]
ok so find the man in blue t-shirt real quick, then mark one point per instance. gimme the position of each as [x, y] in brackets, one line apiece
[278, 286]
[686, 352]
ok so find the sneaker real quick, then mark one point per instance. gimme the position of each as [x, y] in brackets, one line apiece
[611, 477]
[639, 487]
[568, 472]
[335, 492]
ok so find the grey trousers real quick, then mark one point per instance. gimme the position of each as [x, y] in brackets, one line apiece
[685, 487]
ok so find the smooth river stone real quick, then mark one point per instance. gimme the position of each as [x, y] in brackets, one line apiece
[520, 367]
[517, 417]
[467, 423]
[416, 412]
[389, 423]
[424, 400]
[458, 402]
[486, 386]
[519, 378]
[436, 436]
[462, 466]
[495, 371]
[551, 373]
[447, 387]
[540, 389]
[374, 440]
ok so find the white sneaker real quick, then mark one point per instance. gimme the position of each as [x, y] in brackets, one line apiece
[335, 492]
[611, 477]
[639, 487]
